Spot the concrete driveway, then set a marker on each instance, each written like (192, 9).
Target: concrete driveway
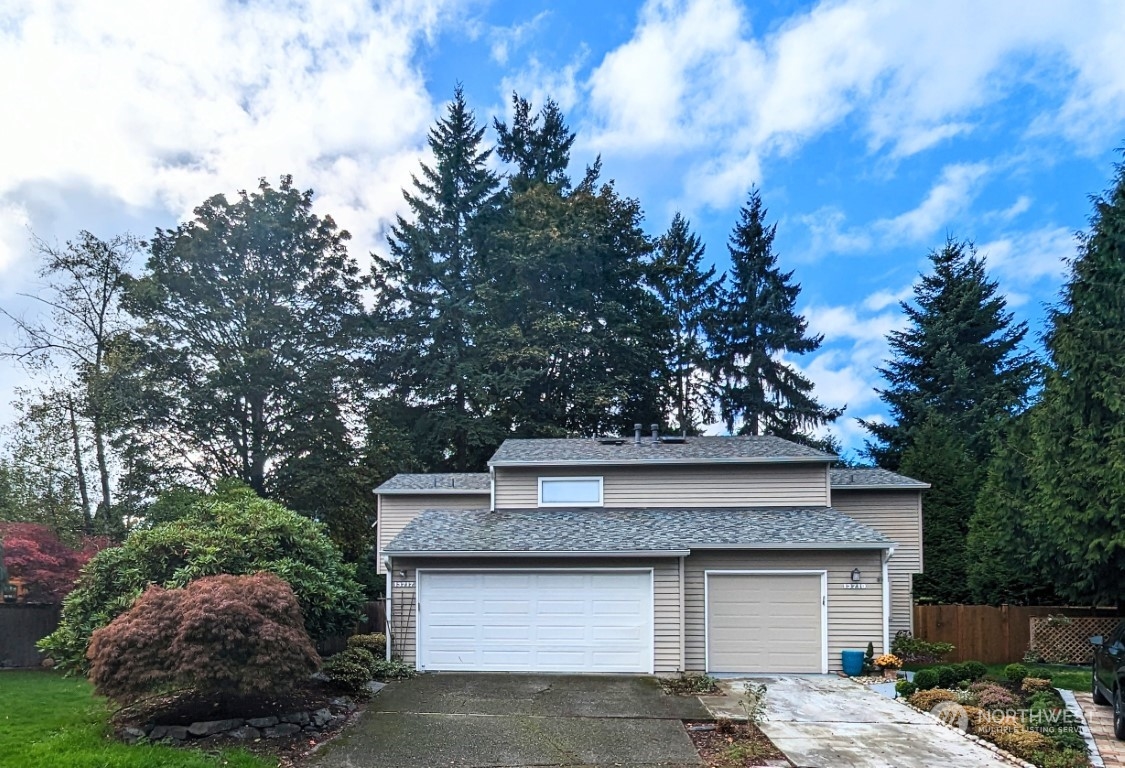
(477, 720)
(831, 722)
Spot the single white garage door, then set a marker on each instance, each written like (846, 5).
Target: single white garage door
(765, 622)
(535, 621)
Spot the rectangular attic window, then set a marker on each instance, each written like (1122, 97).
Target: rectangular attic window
(570, 492)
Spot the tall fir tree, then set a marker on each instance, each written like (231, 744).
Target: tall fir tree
(576, 332)
(998, 567)
(1079, 430)
(689, 292)
(754, 322)
(940, 456)
(429, 309)
(959, 358)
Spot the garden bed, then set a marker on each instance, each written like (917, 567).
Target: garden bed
(1022, 715)
(729, 744)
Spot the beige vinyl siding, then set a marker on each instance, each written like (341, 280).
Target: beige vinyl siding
(898, 516)
(396, 510)
(855, 616)
(666, 597)
(730, 485)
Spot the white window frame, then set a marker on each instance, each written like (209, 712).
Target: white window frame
(601, 492)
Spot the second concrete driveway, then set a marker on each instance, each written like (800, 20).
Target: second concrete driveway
(519, 720)
(830, 722)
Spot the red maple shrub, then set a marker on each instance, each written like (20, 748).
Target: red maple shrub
(220, 635)
(48, 566)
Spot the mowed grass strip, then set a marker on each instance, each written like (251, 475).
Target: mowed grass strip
(50, 721)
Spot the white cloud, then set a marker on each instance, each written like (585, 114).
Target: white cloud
(1023, 258)
(505, 40)
(695, 79)
(157, 107)
(829, 235)
(950, 196)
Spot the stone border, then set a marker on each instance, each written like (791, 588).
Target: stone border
(1092, 751)
(1003, 754)
(249, 729)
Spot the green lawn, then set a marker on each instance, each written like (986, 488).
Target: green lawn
(1063, 676)
(49, 721)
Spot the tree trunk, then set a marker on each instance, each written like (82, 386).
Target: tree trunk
(103, 466)
(257, 445)
(79, 471)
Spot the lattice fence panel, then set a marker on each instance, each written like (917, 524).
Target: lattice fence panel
(1066, 639)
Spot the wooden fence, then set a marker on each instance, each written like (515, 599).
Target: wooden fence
(21, 626)
(994, 635)
(374, 619)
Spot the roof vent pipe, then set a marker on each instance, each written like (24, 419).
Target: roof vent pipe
(656, 433)
(637, 430)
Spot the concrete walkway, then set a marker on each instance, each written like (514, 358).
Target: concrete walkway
(831, 722)
(1100, 720)
(508, 720)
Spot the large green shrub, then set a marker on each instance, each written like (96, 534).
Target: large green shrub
(231, 532)
(218, 635)
(350, 670)
(375, 644)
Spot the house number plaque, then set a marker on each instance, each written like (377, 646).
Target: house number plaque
(403, 584)
(855, 586)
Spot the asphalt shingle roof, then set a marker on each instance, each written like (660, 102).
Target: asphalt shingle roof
(872, 477)
(446, 481)
(605, 530)
(695, 450)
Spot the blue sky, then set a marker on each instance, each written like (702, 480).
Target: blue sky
(874, 129)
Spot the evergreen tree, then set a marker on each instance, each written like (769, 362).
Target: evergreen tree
(689, 293)
(575, 331)
(754, 323)
(939, 456)
(429, 310)
(959, 358)
(999, 540)
(1079, 431)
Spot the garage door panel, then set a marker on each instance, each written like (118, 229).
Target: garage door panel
(765, 623)
(536, 621)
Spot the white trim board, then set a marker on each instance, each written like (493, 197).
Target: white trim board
(823, 574)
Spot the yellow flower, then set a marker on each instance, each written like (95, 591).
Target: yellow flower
(888, 661)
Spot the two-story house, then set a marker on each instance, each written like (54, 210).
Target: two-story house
(648, 555)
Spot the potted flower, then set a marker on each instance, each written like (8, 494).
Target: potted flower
(890, 664)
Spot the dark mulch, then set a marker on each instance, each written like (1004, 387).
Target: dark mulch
(732, 745)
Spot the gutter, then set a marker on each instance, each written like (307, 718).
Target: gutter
(665, 462)
(431, 491)
(881, 487)
(537, 553)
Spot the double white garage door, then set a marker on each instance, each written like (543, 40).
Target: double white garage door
(535, 621)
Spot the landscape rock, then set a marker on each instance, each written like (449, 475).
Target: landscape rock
(132, 735)
(343, 703)
(170, 732)
(374, 686)
(321, 718)
(247, 732)
(211, 727)
(262, 722)
(284, 729)
(300, 718)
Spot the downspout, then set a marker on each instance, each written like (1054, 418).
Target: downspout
(492, 488)
(389, 608)
(886, 556)
(683, 616)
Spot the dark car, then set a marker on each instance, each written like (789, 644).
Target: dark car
(1109, 675)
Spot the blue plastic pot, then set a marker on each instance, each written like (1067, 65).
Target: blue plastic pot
(853, 662)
